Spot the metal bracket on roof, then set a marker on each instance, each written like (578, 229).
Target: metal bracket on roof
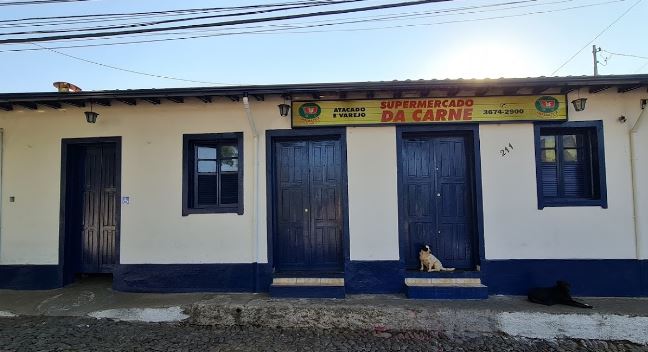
(127, 101)
(51, 104)
(598, 89)
(154, 101)
(480, 92)
(628, 88)
(177, 100)
(102, 102)
(452, 92)
(539, 90)
(568, 89)
(30, 106)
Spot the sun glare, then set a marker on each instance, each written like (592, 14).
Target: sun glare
(483, 60)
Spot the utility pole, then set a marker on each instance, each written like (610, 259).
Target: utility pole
(595, 50)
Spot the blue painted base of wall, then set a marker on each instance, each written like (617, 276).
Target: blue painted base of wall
(643, 269)
(384, 276)
(621, 278)
(436, 292)
(307, 291)
(613, 277)
(30, 277)
(191, 277)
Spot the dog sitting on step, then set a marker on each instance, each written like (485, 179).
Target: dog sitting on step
(429, 261)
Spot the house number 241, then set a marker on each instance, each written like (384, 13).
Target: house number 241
(506, 150)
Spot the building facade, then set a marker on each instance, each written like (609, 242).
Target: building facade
(211, 189)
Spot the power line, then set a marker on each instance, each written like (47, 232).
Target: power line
(374, 18)
(641, 68)
(626, 55)
(154, 13)
(111, 17)
(190, 80)
(145, 24)
(220, 24)
(596, 37)
(417, 14)
(289, 29)
(37, 2)
(127, 70)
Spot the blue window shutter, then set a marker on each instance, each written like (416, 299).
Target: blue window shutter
(550, 179)
(574, 177)
(577, 177)
(207, 191)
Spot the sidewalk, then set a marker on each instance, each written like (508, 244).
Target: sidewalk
(611, 319)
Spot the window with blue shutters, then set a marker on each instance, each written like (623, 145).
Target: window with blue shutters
(570, 166)
(212, 173)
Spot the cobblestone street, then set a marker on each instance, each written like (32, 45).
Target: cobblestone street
(83, 334)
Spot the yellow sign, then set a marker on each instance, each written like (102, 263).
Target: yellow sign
(428, 110)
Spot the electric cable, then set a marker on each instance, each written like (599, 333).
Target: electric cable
(129, 71)
(174, 20)
(220, 24)
(17, 3)
(287, 29)
(597, 36)
(626, 55)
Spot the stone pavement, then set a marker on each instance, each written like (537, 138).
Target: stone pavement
(612, 319)
(84, 334)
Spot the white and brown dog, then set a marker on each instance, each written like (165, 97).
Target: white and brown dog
(429, 261)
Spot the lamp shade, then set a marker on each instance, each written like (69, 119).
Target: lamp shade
(91, 116)
(579, 104)
(284, 109)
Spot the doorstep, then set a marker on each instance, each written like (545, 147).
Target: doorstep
(445, 285)
(307, 287)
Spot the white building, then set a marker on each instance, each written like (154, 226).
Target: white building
(211, 189)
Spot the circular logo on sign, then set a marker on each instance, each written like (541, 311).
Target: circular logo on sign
(546, 104)
(310, 111)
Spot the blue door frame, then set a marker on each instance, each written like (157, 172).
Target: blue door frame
(471, 132)
(304, 135)
(67, 250)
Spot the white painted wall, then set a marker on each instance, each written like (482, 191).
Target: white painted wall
(515, 228)
(153, 229)
(373, 198)
(640, 147)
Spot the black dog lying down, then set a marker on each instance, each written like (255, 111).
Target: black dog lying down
(558, 294)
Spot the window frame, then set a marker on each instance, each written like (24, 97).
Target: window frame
(595, 130)
(189, 173)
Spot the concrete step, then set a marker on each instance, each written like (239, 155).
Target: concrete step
(307, 287)
(445, 288)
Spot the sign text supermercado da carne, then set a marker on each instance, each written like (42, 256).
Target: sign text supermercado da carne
(428, 110)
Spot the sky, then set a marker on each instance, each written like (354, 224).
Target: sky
(452, 39)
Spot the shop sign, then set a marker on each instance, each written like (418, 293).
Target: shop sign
(428, 110)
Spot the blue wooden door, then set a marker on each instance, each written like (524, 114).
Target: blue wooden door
(308, 208)
(98, 204)
(437, 200)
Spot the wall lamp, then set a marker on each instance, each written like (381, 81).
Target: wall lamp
(284, 109)
(579, 104)
(91, 116)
